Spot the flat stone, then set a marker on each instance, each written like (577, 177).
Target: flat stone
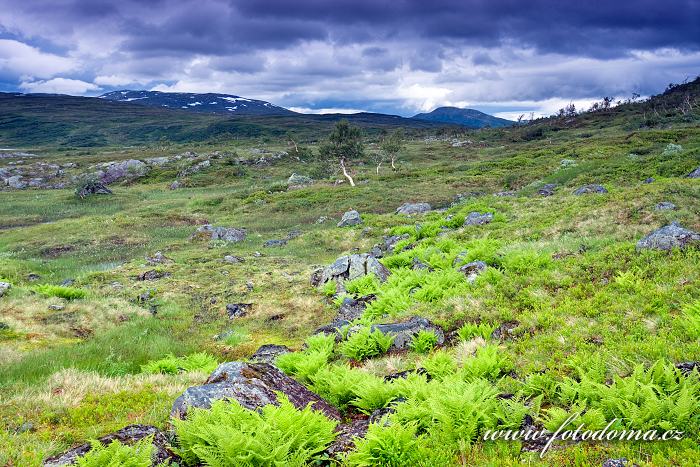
(669, 237)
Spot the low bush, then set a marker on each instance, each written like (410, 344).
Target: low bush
(68, 293)
(172, 365)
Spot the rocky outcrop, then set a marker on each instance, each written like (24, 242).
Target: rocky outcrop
(158, 258)
(347, 435)
(351, 267)
(111, 172)
(387, 245)
(413, 208)
(350, 310)
(274, 243)
(476, 218)
(227, 234)
(238, 310)
(253, 385)
(194, 168)
(129, 436)
(669, 237)
(590, 189)
(350, 218)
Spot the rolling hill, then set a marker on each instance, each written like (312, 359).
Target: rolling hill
(466, 117)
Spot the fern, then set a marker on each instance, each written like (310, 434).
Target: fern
(117, 454)
(423, 341)
(387, 446)
(172, 365)
(366, 343)
(488, 363)
(69, 293)
(372, 393)
(439, 365)
(363, 285)
(471, 330)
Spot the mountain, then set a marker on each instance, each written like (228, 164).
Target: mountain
(467, 117)
(200, 103)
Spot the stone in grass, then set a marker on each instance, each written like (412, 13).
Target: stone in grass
(649, 180)
(231, 259)
(152, 275)
(403, 332)
(253, 385)
(547, 190)
(129, 435)
(274, 243)
(238, 310)
(665, 206)
(350, 218)
(227, 234)
(296, 180)
(669, 237)
(4, 288)
(590, 189)
(472, 270)
(351, 267)
(687, 367)
(694, 174)
(621, 462)
(92, 188)
(268, 353)
(413, 208)
(476, 218)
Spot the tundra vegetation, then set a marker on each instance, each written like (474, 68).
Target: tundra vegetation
(543, 309)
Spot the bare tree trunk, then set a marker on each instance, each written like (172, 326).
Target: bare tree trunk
(345, 172)
(378, 165)
(393, 167)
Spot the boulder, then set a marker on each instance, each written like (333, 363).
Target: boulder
(268, 353)
(4, 287)
(16, 182)
(194, 168)
(347, 435)
(274, 243)
(158, 258)
(665, 206)
(92, 188)
(299, 180)
(152, 275)
(129, 436)
(505, 194)
(694, 174)
(227, 234)
(649, 180)
(122, 170)
(473, 269)
(231, 259)
(350, 218)
(687, 367)
(505, 330)
(413, 208)
(387, 245)
(353, 266)
(238, 310)
(403, 332)
(621, 462)
(547, 190)
(589, 189)
(669, 237)
(176, 185)
(476, 218)
(253, 385)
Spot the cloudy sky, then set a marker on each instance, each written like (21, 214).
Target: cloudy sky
(505, 57)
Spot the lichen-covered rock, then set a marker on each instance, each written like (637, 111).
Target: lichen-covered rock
(238, 310)
(348, 433)
(268, 353)
(589, 189)
(194, 168)
(403, 332)
(227, 234)
(129, 436)
(665, 206)
(253, 385)
(476, 218)
(350, 218)
(152, 275)
(122, 170)
(274, 243)
(622, 462)
(413, 208)
(387, 245)
(351, 267)
(669, 237)
(473, 269)
(158, 258)
(4, 287)
(694, 174)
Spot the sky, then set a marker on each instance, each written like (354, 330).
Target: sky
(504, 57)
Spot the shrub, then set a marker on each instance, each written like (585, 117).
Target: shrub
(117, 454)
(366, 343)
(171, 364)
(228, 434)
(423, 341)
(68, 293)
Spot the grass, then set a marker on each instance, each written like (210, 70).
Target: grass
(568, 316)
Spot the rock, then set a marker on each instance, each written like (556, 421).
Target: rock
(475, 218)
(128, 435)
(420, 265)
(268, 353)
(413, 208)
(274, 243)
(233, 259)
(227, 234)
(253, 385)
(505, 330)
(473, 269)
(694, 174)
(665, 206)
(152, 275)
(404, 332)
(299, 180)
(505, 193)
(16, 182)
(321, 220)
(56, 307)
(350, 218)
(238, 310)
(547, 190)
(122, 170)
(67, 282)
(687, 367)
(92, 188)
(26, 427)
(193, 169)
(669, 237)
(347, 434)
(4, 288)
(621, 462)
(387, 245)
(33, 277)
(353, 266)
(175, 185)
(649, 180)
(589, 189)
(158, 258)
(292, 234)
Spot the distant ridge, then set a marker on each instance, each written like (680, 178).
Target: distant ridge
(467, 117)
(199, 103)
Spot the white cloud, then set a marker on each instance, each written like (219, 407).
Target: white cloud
(59, 86)
(327, 110)
(18, 59)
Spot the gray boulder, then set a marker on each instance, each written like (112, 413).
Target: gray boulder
(253, 385)
(122, 170)
(228, 234)
(665, 206)
(403, 332)
(387, 245)
(590, 189)
(547, 190)
(351, 267)
(268, 353)
(92, 188)
(193, 169)
(476, 218)
(350, 218)
(274, 243)
(649, 180)
(669, 237)
(413, 208)
(129, 435)
(16, 182)
(4, 287)
(238, 310)
(473, 269)
(299, 180)
(695, 173)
